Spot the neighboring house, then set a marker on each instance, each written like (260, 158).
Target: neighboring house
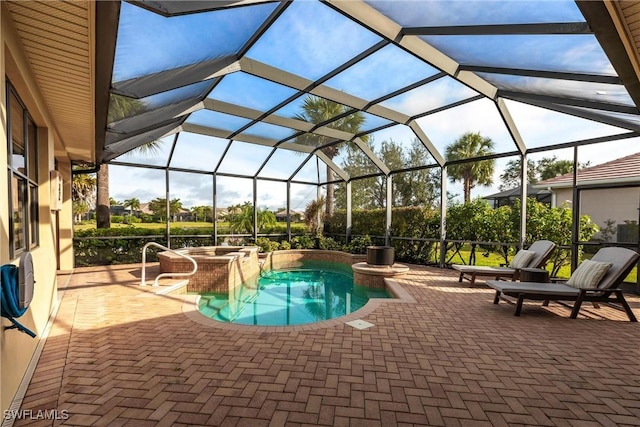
(118, 210)
(221, 214)
(508, 197)
(144, 208)
(295, 216)
(620, 202)
(183, 215)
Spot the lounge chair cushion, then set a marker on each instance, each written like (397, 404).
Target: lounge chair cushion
(589, 274)
(522, 259)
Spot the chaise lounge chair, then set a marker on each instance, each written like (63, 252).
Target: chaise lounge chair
(534, 257)
(596, 280)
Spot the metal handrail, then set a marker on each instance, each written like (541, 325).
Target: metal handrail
(144, 260)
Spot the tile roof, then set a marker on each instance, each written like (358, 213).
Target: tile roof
(619, 170)
(515, 192)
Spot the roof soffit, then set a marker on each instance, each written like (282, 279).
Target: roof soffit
(58, 41)
(611, 30)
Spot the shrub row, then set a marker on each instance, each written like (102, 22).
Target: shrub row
(355, 246)
(413, 222)
(124, 245)
(474, 221)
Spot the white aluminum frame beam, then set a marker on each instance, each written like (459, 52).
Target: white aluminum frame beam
(511, 125)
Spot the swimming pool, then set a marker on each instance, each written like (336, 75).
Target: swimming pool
(295, 296)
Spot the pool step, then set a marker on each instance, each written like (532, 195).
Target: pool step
(217, 304)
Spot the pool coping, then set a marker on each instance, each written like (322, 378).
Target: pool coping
(400, 295)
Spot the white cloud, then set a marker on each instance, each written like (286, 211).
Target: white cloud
(480, 116)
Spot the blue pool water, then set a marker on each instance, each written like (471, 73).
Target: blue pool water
(309, 294)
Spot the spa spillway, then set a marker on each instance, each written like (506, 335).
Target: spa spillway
(380, 264)
(219, 267)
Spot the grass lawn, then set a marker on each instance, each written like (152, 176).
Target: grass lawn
(223, 227)
(495, 260)
(151, 225)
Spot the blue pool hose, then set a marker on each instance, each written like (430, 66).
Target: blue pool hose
(10, 298)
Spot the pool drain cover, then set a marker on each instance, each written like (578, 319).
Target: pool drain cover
(360, 324)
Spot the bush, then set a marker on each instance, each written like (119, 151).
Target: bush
(130, 219)
(471, 222)
(418, 222)
(117, 219)
(327, 243)
(303, 242)
(266, 245)
(359, 245)
(125, 247)
(465, 222)
(285, 246)
(94, 251)
(413, 221)
(146, 218)
(545, 222)
(369, 222)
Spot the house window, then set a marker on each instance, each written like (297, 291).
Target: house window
(23, 172)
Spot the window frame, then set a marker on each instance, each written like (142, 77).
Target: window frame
(23, 185)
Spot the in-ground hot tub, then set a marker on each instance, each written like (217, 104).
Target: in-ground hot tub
(380, 265)
(219, 267)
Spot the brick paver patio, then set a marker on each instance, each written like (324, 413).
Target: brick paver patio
(120, 355)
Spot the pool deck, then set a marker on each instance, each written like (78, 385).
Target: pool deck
(117, 354)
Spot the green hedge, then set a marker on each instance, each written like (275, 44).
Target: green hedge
(125, 247)
(475, 221)
(415, 222)
(91, 248)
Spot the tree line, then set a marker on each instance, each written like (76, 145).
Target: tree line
(415, 181)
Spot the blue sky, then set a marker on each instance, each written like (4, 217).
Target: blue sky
(311, 39)
(410, 13)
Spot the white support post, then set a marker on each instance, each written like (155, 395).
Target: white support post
(255, 209)
(319, 213)
(168, 207)
(443, 215)
(524, 180)
(348, 230)
(214, 214)
(288, 211)
(387, 238)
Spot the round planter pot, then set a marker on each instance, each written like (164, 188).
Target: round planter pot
(380, 255)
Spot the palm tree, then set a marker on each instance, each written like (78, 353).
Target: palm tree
(319, 110)
(266, 218)
(313, 214)
(120, 107)
(240, 218)
(133, 204)
(202, 213)
(469, 146)
(83, 190)
(103, 215)
(175, 207)
(159, 207)
(83, 187)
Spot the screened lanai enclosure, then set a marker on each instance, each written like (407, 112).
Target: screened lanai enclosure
(280, 103)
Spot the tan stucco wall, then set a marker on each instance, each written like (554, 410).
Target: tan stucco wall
(561, 196)
(4, 184)
(619, 204)
(65, 220)
(16, 348)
